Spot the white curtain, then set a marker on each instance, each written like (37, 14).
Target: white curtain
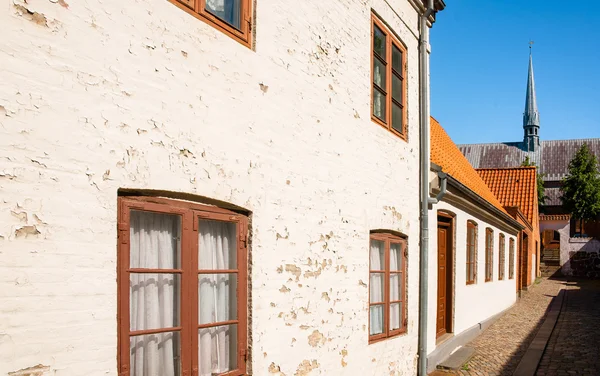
(395, 285)
(154, 297)
(217, 297)
(227, 10)
(377, 260)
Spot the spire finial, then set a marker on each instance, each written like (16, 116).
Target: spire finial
(531, 116)
(530, 46)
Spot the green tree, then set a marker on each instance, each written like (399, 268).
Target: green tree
(581, 188)
(540, 184)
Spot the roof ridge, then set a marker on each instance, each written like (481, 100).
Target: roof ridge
(508, 168)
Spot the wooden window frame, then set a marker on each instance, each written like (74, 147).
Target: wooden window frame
(388, 238)
(191, 214)
(511, 258)
(197, 8)
(501, 257)
(489, 254)
(471, 264)
(391, 40)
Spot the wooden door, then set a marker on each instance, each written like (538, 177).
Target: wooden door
(442, 278)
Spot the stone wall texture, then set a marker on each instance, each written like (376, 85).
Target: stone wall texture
(97, 96)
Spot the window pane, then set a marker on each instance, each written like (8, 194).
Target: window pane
(379, 42)
(397, 117)
(379, 74)
(154, 300)
(217, 349)
(395, 316)
(397, 59)
(379, 104)
(397, 89)
(217, 297)
(472, 235)
(217, 245)
(376, 319)
(155, 354)
(155, 240)
(376, 283)
(227, 10)
(396, 254)
(396, 286)
(470, 272)
(377, 255)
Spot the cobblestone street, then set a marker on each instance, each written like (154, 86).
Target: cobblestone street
(500, 348)
(574, 347)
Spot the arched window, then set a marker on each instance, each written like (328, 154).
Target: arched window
(501, 258)
(489, 254)
(182, 277)
(471, 252)
(511, 258)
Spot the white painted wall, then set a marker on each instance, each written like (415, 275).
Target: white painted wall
(472, 303)
(99, 96)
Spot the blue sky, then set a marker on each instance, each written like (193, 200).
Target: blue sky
(479, 64)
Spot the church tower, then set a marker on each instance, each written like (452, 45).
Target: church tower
(531, 116)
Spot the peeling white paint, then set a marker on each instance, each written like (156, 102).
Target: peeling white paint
(105, 95)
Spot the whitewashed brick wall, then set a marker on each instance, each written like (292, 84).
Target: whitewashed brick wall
(475, 303)
(101, 95)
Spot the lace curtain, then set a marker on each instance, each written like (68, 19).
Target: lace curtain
(217, 297)
(154, 297)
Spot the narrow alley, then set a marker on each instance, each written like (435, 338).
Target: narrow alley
(573, 345)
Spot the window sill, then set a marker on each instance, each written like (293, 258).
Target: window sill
(372, 341)
(378, 121)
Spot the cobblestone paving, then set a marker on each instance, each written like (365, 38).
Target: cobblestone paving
(574, 346)
(499, 349)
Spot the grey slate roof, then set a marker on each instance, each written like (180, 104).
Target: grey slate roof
(552, 197)
(552, 158)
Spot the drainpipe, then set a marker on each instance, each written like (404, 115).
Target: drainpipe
(443, 179)
(424, 194)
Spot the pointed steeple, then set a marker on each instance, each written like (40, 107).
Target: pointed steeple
(531, 116)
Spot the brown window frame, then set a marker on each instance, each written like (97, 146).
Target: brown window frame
(471, 264)
(191, 214)
(511, 258)
(388, 238)
(197, 8)
(390, 41)
(501, 257)
(489, 254)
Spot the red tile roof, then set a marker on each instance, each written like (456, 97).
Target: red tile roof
(445, 153)
(514, 187)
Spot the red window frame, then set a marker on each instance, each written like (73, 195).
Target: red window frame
(471, 252)
(489, 254)
(511, 258)
(501, 257)
(190, 213)
(388, 238)
(390, 41)
(197, 8)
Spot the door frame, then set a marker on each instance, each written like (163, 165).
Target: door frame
(447, 220)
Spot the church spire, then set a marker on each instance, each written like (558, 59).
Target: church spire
(531, 116)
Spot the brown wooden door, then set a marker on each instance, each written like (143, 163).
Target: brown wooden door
(442, 304)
